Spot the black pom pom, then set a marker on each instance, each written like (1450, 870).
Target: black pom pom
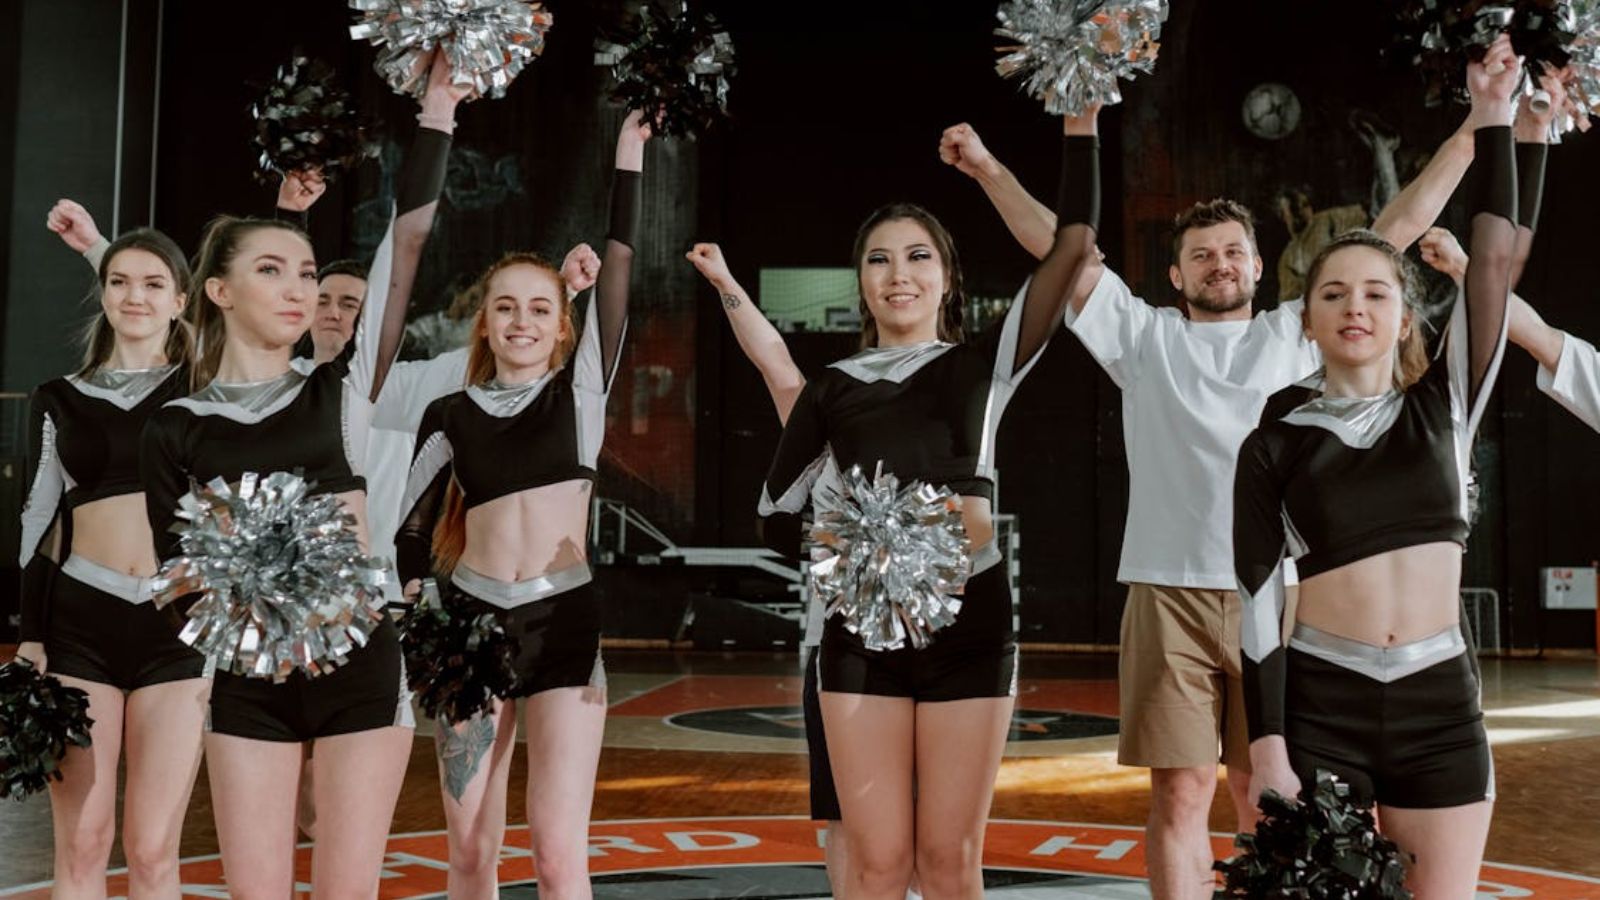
(457, 663)
(39, 718)
(676, 68)
(1322, 847)
(305, 120)
(1439, 38)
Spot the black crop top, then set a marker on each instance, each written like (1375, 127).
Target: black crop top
(1333, 480)
(83, 446)
(930, 411)
(496, 440)
(314, 423)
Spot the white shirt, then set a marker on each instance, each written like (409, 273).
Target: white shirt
(1575, 384)
(1191, 391)
(408, 390)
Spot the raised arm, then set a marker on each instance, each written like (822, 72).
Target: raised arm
(1524, 326)
(1068, 273)
(1532, 132)
(760, 341)
(1477, 334)
(1032, 223)
(606, 323)
(394, 268)
(73, 224)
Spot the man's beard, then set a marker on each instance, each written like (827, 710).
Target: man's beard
(1198, 300)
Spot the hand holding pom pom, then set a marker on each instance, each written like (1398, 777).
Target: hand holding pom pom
(1322, 845)
(39, 719)
(306, 125)
(457, 663)
(1071, 53)
(677, 66)
(284, 585)
(486, 43)
(893, 559)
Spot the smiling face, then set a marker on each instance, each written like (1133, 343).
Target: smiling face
(1356, 310)
(903, 281)
(268, 293)
(339, 299)
(524, 320)
(140, 296)
(1217, 268)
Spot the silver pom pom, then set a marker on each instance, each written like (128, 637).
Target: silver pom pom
(487, 42)
(1070, 53)
(284, 584)
(893, 558)
(1584, 85)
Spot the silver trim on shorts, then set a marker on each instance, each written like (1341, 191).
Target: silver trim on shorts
(512, 594)
(131, 588)
(1383, 664)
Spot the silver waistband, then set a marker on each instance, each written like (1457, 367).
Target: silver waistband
(1385, 664)
(131, 588)
(511, 594)
(986, 557)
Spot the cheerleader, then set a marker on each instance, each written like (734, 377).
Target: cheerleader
(915, 735)
(497, 505)
(89, 621)
(1358, 472)
(254, 412)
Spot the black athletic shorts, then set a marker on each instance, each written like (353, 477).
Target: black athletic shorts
(100, 637)
(558, 637)
(1416, 743)
(365, 693)
(824, 798)
(976, 656)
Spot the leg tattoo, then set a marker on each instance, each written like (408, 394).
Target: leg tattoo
(461, 747)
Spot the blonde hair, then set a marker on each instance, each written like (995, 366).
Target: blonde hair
(450, 532)
(1411, 353)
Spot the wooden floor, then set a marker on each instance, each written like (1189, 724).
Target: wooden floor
(718, 738)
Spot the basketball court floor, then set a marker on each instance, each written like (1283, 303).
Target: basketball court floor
(702, 792)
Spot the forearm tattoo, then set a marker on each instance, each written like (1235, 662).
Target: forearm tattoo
(731, 301)
(461, 747)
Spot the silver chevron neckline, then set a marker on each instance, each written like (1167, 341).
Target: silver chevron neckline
(126, 388)
(503, 400)
(894, 364)
(252, 396)
(1356, 421)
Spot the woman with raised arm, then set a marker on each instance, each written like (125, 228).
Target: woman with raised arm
(497, 508)
(252, 411)
(1358, 472)
(87, 557)
(915, 735)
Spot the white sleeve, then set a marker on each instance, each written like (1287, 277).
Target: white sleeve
(588, 365)
(50, 482)
(95, 253)
(1113, 325)
(1575, 384)
(369, 331)
(412, 385)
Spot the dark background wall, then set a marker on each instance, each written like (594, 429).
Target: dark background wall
(837, 109)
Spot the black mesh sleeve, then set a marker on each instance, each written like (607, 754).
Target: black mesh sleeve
(165, 477)
(427, 487)
(616, 271)
(1077, 218)
(1488, 279)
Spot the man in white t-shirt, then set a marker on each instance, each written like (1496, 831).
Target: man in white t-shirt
(1193, 385)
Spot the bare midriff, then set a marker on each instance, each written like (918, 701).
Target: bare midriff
(1388, 599)
(530, 533)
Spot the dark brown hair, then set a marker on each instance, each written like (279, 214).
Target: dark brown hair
(98, 337)
(951, 306)
(1207, 214)
(450, 533)
(218, 247)
(1411, 355)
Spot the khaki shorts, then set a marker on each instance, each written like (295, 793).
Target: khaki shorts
(1181, 689)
